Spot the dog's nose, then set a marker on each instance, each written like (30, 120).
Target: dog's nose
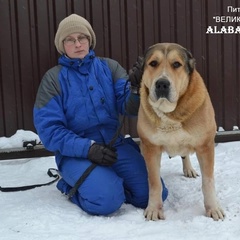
(162, 87)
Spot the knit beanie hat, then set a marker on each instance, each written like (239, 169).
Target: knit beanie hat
(73, 24)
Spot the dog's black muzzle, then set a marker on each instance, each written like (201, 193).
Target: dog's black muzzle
(162, 88)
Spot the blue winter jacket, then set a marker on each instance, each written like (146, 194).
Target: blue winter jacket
(79, 101)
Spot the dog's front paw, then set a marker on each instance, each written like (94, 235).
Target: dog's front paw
(215, 213)
(154, 214)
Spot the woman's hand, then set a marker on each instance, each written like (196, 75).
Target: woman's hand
(102, 155)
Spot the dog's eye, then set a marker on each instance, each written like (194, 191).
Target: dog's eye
(176, 64)
(153, 63)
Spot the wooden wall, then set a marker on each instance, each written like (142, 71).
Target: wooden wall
(124, 30)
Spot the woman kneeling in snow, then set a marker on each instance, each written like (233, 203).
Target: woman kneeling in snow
(76, 115)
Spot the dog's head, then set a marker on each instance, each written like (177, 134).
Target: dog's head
(166, 73)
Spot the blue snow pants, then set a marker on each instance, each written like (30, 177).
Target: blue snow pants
(107, 188)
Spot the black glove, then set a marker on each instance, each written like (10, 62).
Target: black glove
(102, 155)
(135, 75)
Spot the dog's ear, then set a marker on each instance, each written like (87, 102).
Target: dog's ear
(191, 62)
(145, 55)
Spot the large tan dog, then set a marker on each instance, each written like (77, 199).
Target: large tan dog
(176, 116)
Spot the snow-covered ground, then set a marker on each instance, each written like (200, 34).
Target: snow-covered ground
(43, 213)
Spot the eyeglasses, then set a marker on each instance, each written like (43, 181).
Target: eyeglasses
(69, 41)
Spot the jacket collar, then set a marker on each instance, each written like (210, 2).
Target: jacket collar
(77, 63)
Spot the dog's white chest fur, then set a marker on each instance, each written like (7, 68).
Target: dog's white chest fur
(174, 140)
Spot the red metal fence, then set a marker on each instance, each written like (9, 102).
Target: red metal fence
(124, 30)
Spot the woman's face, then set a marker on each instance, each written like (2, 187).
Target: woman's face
(76, 45)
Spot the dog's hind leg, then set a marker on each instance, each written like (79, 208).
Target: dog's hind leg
(188, 170)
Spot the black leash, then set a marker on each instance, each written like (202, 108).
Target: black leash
(81, 180)
(28, 187)
(93, 165)
(57, 176)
